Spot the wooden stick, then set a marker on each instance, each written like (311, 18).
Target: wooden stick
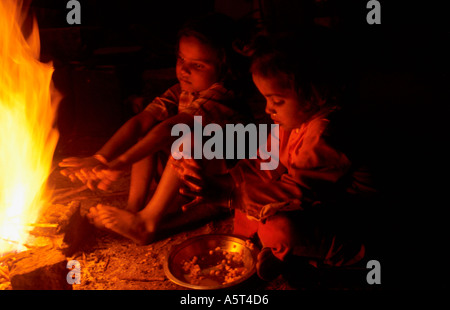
(59, 191)
(82, 197)
(43, 225)
(15, 242)
(70, 193)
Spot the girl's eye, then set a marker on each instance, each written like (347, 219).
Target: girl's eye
(277, 101)
(199, 66)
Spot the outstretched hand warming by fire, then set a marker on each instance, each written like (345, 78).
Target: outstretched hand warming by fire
(92, 172)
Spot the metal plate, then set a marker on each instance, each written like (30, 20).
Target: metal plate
(201, 246)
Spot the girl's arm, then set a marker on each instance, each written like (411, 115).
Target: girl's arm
(158, 110)
(158, 138)
(83, 167)
(128, 134)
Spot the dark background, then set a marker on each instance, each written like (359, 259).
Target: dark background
(399, 73)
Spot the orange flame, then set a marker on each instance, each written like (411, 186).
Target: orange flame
(27, 134)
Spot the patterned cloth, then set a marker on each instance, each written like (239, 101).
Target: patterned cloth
(215, 104)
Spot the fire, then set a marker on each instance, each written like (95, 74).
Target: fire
(27, 134)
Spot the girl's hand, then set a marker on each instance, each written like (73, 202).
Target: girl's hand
(105, 177)
(81, 168)
(192, 176)
(203, 188)
(86, 169)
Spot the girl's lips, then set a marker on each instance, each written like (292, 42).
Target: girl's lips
(185, 81)
(277, 122)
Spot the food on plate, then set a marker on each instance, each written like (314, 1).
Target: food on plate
(218, 266)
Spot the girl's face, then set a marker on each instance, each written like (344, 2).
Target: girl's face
(284, 105)
(197, 65)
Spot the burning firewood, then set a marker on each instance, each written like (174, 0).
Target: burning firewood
(64, 231)
(54, 219)
(66, 226)
(69, 193)
(40, 269)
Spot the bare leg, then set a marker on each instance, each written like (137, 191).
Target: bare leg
(141, 226)
(166, 198)
(142, 174)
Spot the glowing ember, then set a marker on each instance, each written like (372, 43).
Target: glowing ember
(27, 134)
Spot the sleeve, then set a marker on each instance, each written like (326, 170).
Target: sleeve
(166, 105)
(213, 105)
(313, 167)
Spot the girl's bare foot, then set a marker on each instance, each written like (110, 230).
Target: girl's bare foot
(122, 222)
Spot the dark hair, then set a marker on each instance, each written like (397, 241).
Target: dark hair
(219, 32)
(298, 61)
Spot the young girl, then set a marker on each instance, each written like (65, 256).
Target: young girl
(295, 209)
(204, 72)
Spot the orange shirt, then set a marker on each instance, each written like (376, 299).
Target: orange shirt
(308, 171)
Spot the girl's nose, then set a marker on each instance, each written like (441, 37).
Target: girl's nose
(270, 109)
(185, 69)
